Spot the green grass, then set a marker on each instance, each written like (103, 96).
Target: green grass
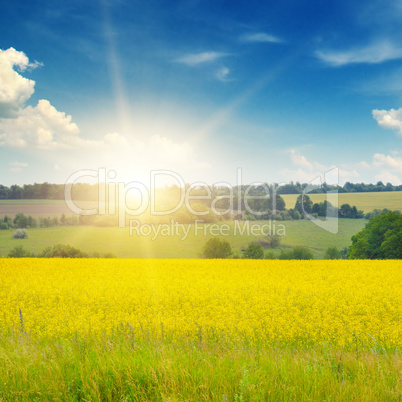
(122, 368)
(364, 201)
(118, 241)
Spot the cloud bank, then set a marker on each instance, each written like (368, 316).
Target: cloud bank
(15, 90)
(389, 119)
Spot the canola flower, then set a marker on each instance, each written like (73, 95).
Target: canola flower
(342, 303)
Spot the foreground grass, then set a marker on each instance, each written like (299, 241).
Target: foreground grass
(122, 368)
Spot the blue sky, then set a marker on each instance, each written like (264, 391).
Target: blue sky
(283, 90)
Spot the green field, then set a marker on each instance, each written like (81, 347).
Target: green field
(118, 240)
(364, 201)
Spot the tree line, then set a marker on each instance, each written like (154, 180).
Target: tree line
(348, 187)
(89, 192)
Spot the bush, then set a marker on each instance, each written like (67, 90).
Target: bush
(62, 251)
(20, 252)
(254, 251)
(99, 255)
(3, 226)
(20, 234)
(296, 215)
(332, 253)
(109, 255)
(298, 253)
(8, 220)
(270, 241)
(216, 248)
(302, 253)
(48, 222)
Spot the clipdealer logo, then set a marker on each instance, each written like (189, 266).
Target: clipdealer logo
(112, 197)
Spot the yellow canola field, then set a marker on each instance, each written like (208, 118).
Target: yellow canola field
(343, 303)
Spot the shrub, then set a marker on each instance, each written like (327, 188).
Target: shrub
(332, 253)
(20, 252)
(270, 241)
(254, 251)
(99, 255)
(302, 253)
(298, 253)
(48, 222)
(8, 220)
(109, 255)
(216, 248)
(20, 234)
(296, 215)
(3, 226)
(62, 251)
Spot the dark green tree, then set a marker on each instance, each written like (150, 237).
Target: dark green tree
(254, 251)
(302, 253)
(303, 204)
(332, 253)
(380, 239)
(21, 221)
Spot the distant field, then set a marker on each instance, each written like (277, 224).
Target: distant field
(119, 241)
(364, 201)
(44, 208)
(40, 208)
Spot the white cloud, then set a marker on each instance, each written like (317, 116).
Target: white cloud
(44, 127)
(364, 165)
(390, 119)
(18, 164)
(309, 170)
(388, 177)
(381, 160)
(260, 37)
(377, 52)
(200, 58)
(386, 168)
(301, 161)
(222, 74)
(15, 90)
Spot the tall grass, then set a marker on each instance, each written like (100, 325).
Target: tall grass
(120, 367)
